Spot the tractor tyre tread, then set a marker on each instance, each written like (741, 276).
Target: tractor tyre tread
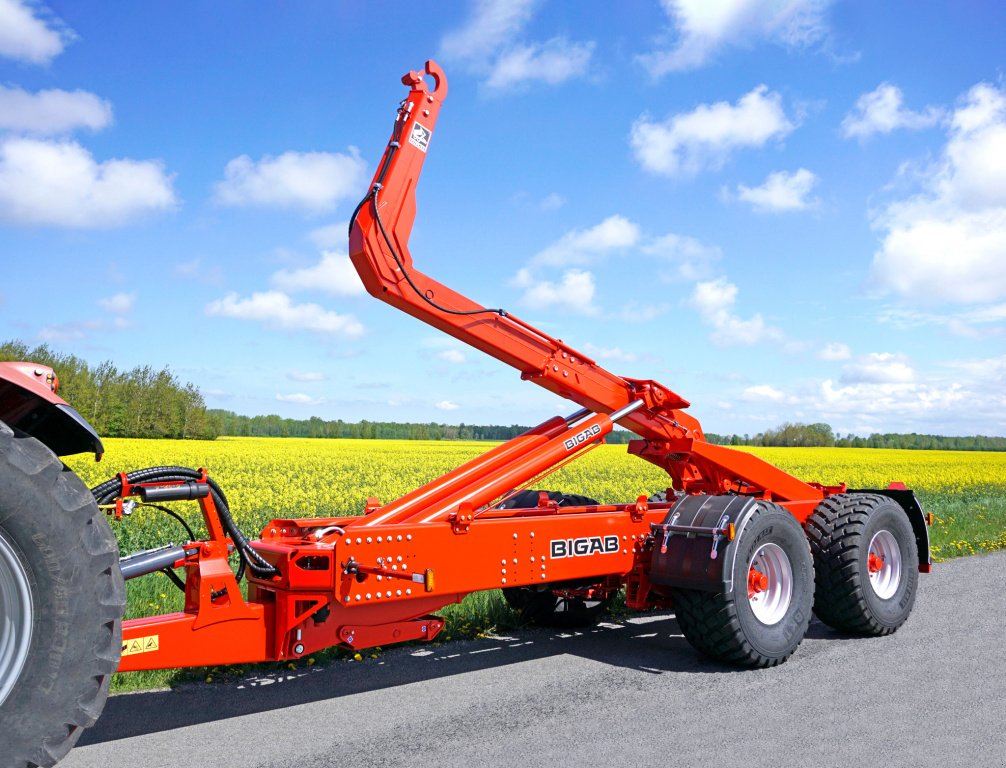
(836, 531)
(72, 561)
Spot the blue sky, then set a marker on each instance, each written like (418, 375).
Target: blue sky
(790, 210)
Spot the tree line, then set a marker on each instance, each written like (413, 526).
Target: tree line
(821, 435)
(143, 402)
(140, 402)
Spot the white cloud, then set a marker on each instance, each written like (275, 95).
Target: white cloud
(306, 376)
(574, 292)
(704, 27)
(488, 44)
(334, 274)
(330, 236)
(582, 246)
(878, 368)
(762, 393)
(552, 62)
(26, 37)
(882, 110)
(118, 304)
(299, 398)
(312, 181)
(615, 354)
(60, 184)
(451, 356)
(781, 191)
(52, 111)
(274, 309)
(491, 26)
(552, 202)
(835, 351)
(714, 301)
(706, 137)
(447, 405)
(689, 259)
(948, 243)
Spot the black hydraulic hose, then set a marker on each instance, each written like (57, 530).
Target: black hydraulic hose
(111, 489)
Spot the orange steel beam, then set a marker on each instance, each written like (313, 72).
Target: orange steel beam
(378, 245)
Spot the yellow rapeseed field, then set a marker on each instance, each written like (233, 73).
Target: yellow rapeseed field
(274, 477)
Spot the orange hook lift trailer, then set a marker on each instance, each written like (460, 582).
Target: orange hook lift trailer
(733, 545)
(742, 551)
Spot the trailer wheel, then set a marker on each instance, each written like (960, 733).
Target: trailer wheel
(554, 604)
(867, 563)
(61, 603)
(763, 619)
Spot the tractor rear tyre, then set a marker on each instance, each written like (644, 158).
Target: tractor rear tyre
(552, 604)
(867, 563)
(61, 603)
(763, 619)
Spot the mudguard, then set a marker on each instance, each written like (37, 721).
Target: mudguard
(29, 403)
(693, 547)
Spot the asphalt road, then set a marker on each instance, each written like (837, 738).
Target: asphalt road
(635, 693)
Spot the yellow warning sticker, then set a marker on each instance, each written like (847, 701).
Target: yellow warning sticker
(141, 645)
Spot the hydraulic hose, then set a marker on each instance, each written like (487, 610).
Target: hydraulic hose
(111, 489)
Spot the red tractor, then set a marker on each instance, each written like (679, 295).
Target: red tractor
(741, 551)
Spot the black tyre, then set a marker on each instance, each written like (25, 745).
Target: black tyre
(763, 620)
(556, 604)
(867, 563)
(61, 603)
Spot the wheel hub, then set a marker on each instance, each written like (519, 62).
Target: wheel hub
(16, 617)
(883, 564)
(770, 584)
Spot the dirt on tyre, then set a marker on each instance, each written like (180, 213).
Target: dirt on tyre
(867, 563)
(763, 620)
(559, 605)
(61, 603)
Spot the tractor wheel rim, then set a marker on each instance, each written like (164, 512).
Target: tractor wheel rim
(770, 604)
(884, 564)
(16, 616)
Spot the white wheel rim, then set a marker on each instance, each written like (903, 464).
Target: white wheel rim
(884, 564)
(770, 600)
(15, 618)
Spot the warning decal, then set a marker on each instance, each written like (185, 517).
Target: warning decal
(141, 645)
(420, 136)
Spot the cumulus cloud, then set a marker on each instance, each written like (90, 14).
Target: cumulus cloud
(118, 304)
(334, 275)
(882, 110)
(61, 184)
(447, 405)
(26, 37)
(763, 393)
(714, 301)
(781, 192)
(299, 398)
(615, 354)
(275, 309)
(488, 43)
(688, 258)
(574, 292)
(878, 368)
(583, 246)
(306, 376)
(948, 242)
(702, 28)
(552, 62)
(330, 236)
(311, 181)
(835, 351)
(52, 112)
(455, 356)
(705, 138)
